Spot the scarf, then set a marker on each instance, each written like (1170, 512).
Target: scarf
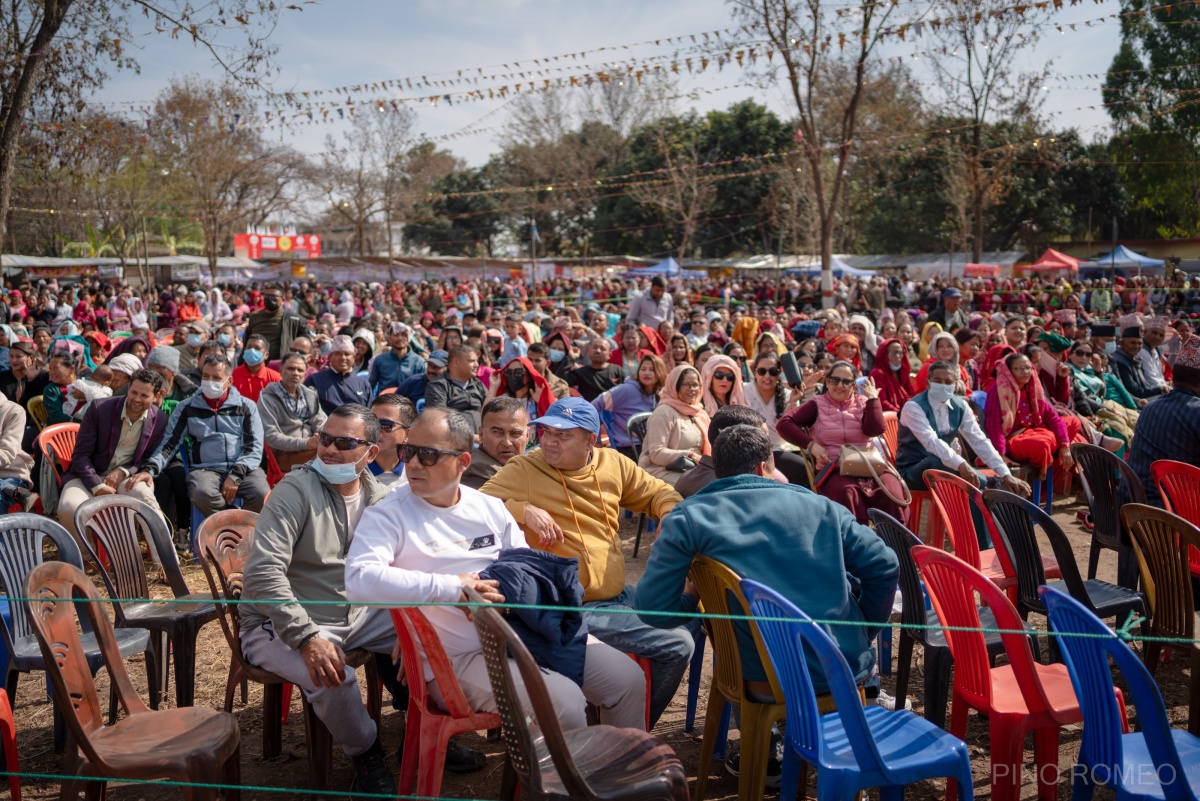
(539, 382)
(995, 355)
(737, 395)
(654, 342)
(1010, 395)
(926, 340)
(870, 341)
(745, 333)
(695, 410)
(895, 386)
(846, 339)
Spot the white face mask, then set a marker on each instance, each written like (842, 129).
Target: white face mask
(212, 389)
(940, 393)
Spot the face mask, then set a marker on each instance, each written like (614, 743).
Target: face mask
(514, 385)
(1110, 347)
(557, 356)
(940, 393)
(252, 356)
(194, 340)
(336, 473)
(271, 304)
(895, 367)
(212, 389)
(326, 348)
(224, 339)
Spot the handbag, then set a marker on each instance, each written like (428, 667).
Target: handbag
(858, 463)
(681, 465)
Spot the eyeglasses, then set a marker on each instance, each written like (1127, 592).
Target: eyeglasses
(721, 375)
(771, 371)
(838, 382)
(426, 456)
(390, 425)
(806, 367)
(1083, 353)
(341, 443)
(514, 373)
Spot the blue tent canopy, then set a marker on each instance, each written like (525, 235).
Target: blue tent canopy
(668, 267)
(1123, 261)
(839, 267)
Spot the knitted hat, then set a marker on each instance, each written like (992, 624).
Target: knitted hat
(164, 356)
(126, 363)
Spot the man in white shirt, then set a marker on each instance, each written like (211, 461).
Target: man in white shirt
(930, 425)
(1151, 356)
(428, 540)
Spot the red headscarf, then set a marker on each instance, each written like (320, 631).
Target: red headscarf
(845, 339)
(1009, 393)
(539, 382)
(995, 355)
(657, 345)
(895, 386)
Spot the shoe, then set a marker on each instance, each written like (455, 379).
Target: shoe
(889, 703)
(1111, 444)
(460, 759)
(26, 498)
(774, 765)
(371, 773)
(1085, 519)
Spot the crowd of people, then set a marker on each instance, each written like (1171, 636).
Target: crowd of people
(405, 441)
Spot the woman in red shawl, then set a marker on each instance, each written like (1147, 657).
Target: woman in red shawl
(1019, 421)
(636, 342)
(892, 375)
(845, 348)
(519, 379)
(995, 355)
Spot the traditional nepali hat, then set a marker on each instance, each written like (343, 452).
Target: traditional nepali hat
(1065, 316)
(1189, 353)
(1130, 321)
(1160, 323)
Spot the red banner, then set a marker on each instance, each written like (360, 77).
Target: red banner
(271, 246)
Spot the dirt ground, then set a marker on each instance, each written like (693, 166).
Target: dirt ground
(290, 769)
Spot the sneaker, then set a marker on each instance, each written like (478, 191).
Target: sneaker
(460, 759)
(371, 774)
(889, 703)
(774, 765)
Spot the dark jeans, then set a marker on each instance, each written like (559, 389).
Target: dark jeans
(791, 464)
(170, 490)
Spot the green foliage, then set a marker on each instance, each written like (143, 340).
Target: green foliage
(458, 222)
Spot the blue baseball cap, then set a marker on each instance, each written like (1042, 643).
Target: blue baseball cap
(570, 413)
(439, 357)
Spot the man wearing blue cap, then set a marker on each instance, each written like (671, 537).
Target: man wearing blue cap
(949, 315)
(567, 496)
(414, 386)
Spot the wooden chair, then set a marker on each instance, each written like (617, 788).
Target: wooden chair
(225, 541)
(594, 763)
(1162, 542)
(1102, 474)
(114, 523)
(37, 411)
(193, 744)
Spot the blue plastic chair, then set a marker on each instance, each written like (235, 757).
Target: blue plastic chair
(854, 747)
(1133, 763)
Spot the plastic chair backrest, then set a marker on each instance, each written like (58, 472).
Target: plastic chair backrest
(58, 442)
(1179, 486)
(636, 425)
(1101, 473)
(792, 639)
(115, 522)
(953, 585)
(952, 496)
(224, 542)
(901, 541)
(718, 585)
(1015, 521)
(416, 635)
(22, 542)
(500, 644)
(1160, 541)
(37, 410)
(53, 621)
(1086, 657)
(891, 434)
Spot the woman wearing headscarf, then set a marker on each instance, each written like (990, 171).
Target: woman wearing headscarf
(168, 310)
(189, 311)
(138, 318)
(769, 342)
(364, 349)
(137, 346)
(943, 348)
(987, 371)
(862, 327)
(721, 381)
(118, 312)
(520, 379)
(83, 311)
(846, 348)
(679, 351)
(927, 334)
(745, 333)
(892, 375)
(678, 426)
(16, 307)
(1020, 422)
(215, 309)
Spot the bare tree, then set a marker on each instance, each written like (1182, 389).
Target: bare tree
(981, 81)
(680, 192)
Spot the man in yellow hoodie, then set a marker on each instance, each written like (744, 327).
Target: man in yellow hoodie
(567, 496)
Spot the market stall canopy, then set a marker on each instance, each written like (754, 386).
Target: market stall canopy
(667, 267)
(981, 270)
(839, 267)
(1053, 260)
(1124, 262)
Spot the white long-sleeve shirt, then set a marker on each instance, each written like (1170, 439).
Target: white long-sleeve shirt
(912, 417)
(406, 550)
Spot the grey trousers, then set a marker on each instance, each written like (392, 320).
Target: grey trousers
(204, 491)
(340, 709)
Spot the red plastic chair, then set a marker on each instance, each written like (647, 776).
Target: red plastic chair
(387, 391)
(891, 434)
(1179, 485)
(1017, 698)
(59, 438)
(936, 532)
(429, 729)
(8, 736)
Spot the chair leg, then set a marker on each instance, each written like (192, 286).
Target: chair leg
(712, 720)
(637, 539)
(958, 727)
(1194, 693)
(233, 775)
(1008, 754)
(904, 666)
(320, 750)
(723, 732)
(695, 668)
(231, 683)
(406, 782)
(938, 664)
(756, 742)
(8, 736)
(510, 789)
(272, 724)
(1094, 558)
(1045, 760)
(161, 645)
(1151, 651)
(429, 778)
(789, 779)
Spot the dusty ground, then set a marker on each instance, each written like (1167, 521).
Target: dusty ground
(35, 739)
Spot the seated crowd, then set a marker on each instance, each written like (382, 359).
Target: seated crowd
(491, 446)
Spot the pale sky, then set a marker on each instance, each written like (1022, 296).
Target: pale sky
(349, 42)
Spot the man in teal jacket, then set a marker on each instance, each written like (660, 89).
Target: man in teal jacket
(792, 540)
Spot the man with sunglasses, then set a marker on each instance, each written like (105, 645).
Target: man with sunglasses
(429, 540)
(396, 414)
(567, 494)
(297, 619)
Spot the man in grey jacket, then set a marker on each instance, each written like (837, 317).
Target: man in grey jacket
(300, 542)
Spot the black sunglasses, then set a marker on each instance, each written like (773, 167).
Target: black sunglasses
(720, 375)
(389, 425)
(341, 443)
(426, 456)
(838, 382)
(772, 371)
(1083, 353)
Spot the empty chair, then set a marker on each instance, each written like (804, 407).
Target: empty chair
(853, 747)
(1015, 521)
(1134, 764)
(637, 435)
(1102, 472)
(115, 523)
(1162, 542)
(953, 497)
(1018, 698)
(37, 412)
(596, 762)
(22, 543)
(1178, 484)
(192, 744)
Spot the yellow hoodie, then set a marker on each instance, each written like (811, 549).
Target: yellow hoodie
(589, 513)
